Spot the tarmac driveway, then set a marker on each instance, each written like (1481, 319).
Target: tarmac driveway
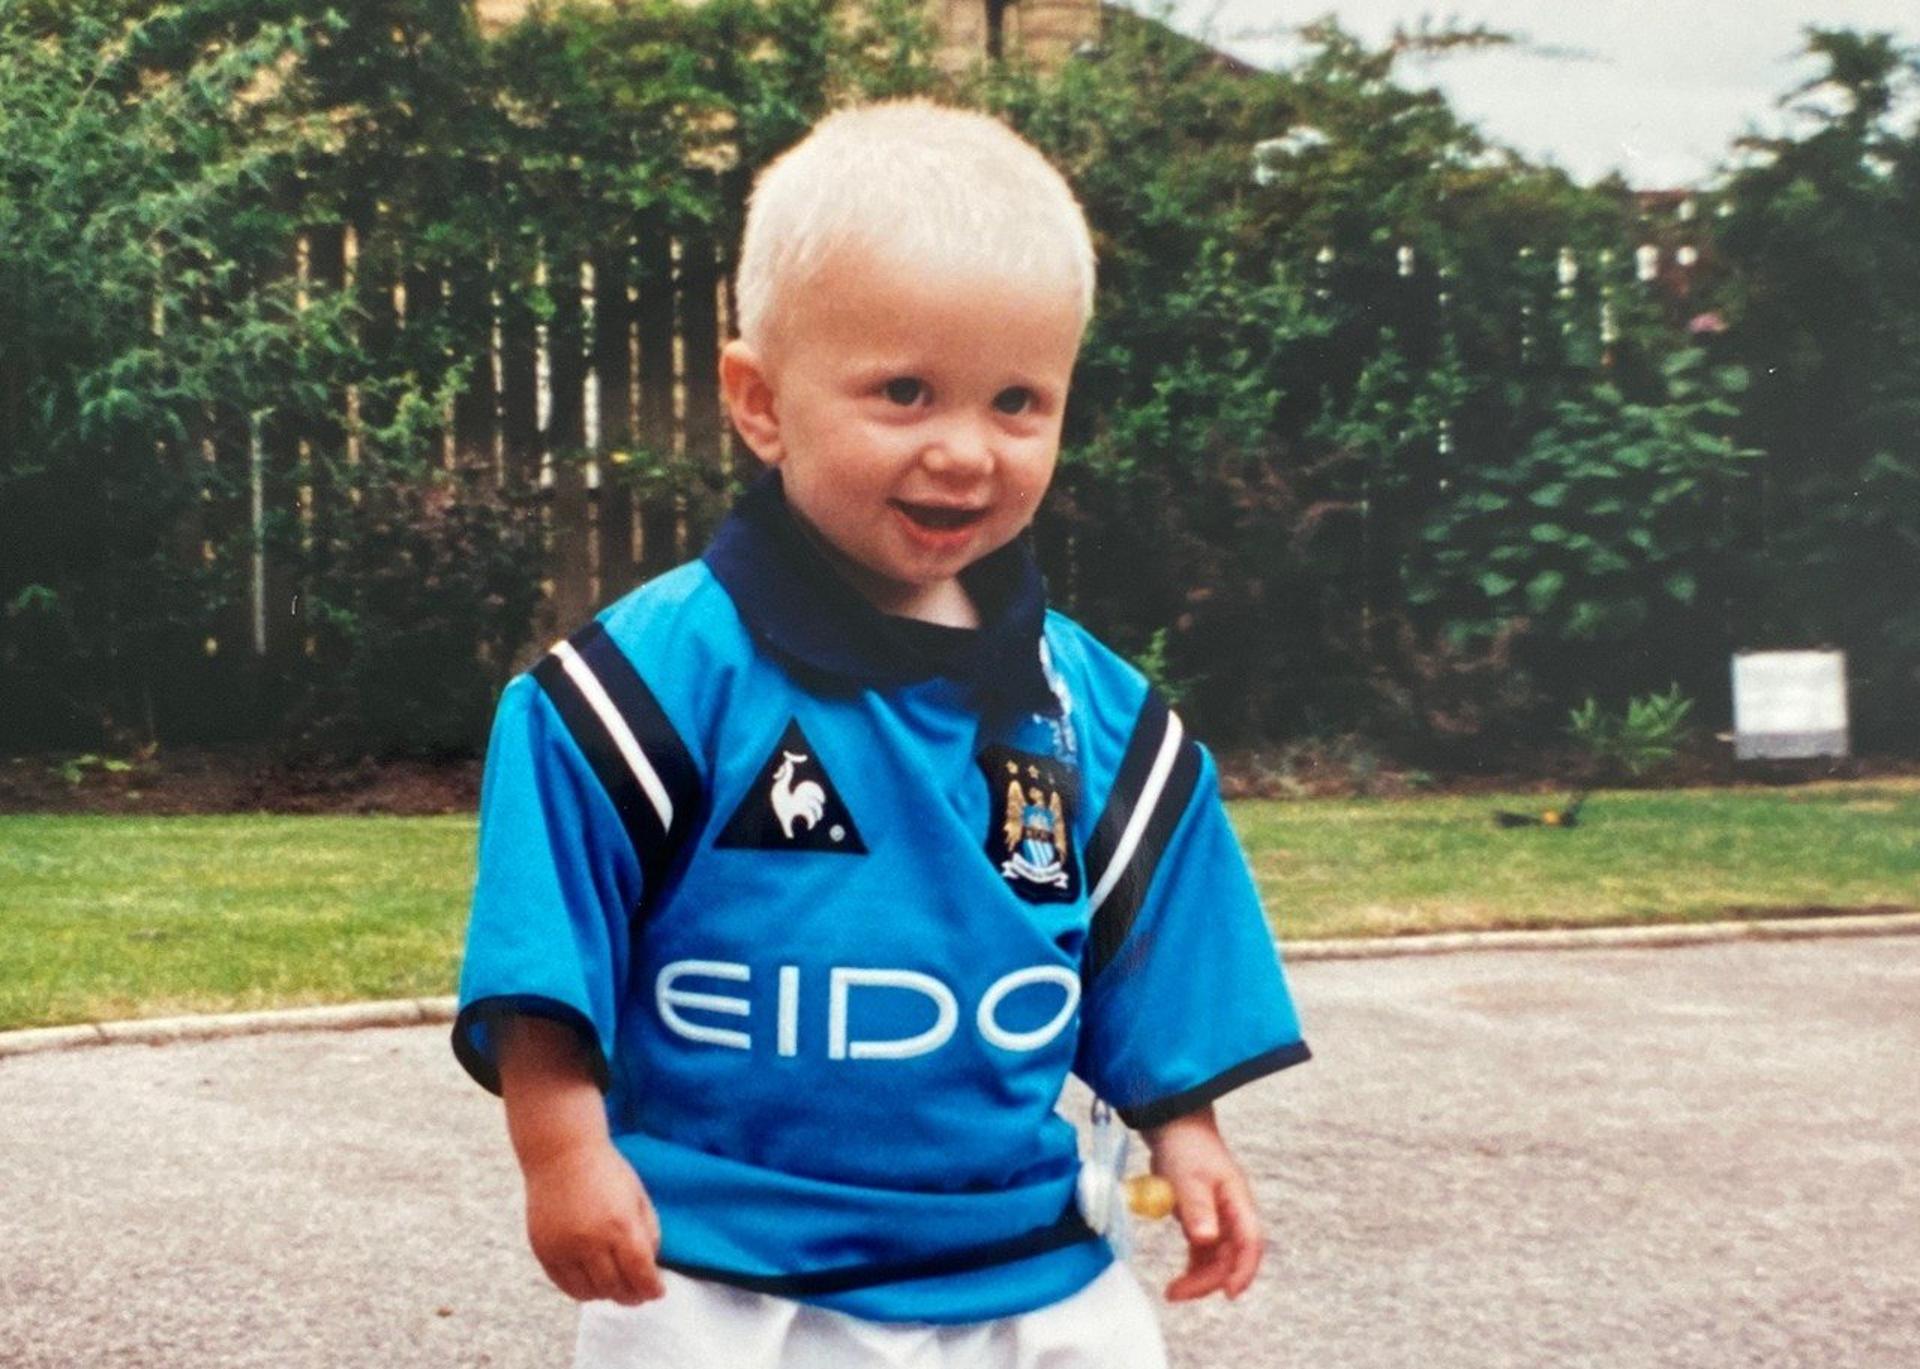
(1701, 1157)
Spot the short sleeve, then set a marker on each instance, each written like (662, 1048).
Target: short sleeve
(1185, 998)
(555, 885)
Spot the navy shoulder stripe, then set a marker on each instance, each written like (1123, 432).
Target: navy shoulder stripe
(1150, 792)
(634, 751)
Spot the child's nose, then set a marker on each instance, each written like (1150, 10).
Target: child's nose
(960, 448)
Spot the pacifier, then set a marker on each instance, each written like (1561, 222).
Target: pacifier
(1109, 1200)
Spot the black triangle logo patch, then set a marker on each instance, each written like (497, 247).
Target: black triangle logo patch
(793, 805)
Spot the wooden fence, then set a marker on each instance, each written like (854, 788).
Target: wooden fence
(624, 363)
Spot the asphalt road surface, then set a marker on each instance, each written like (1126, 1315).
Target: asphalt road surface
(1706, 1156)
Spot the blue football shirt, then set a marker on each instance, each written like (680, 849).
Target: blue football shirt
(835, 909)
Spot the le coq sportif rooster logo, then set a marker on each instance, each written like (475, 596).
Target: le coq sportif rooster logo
(802, 802)
(792, 804)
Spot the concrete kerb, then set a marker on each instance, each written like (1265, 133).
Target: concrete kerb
(1605, 938)
(413, 1012)
(161, 1031)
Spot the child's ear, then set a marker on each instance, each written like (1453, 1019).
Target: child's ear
(748, 387)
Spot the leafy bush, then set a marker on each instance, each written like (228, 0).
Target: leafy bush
(1822, 295)
(1608, 529)
(1453, 703)
(421, 616)
(146, 311)
(1293, 374)
(1349, 449)
(1649, 734)
(1153, 664)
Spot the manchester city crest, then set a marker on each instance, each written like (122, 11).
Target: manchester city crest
(1030, 806)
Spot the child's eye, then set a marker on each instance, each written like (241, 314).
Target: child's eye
(905, 391)
(1015, 399)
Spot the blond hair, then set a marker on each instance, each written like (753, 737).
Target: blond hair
(916, 182)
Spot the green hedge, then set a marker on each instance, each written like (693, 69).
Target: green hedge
(1375, 428)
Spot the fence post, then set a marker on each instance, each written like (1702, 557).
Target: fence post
(700, 332)
(519, 375)
(659, 548)
(613, 377)
(571, 556)
(474, 431)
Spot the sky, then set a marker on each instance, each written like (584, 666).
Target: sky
(1657, 89)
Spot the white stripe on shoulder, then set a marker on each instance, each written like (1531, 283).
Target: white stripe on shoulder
(596, 696)
(1142, 812)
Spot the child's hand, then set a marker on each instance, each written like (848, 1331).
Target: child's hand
(1214, 1204)
(589, 1220)
(592, 1226)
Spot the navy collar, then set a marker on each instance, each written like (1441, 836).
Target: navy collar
(799, 607)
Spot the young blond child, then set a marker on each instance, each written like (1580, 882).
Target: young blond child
(809, 870)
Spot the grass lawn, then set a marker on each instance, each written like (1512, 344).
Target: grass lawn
(1385, 867)
(105, 918)
(111, 917)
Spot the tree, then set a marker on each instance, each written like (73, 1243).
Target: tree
(1330, 311)
(138, 255)
(1823, 250)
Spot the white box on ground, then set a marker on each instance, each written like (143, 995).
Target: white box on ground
(1789, 705)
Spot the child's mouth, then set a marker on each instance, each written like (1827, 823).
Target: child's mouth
(940, 517)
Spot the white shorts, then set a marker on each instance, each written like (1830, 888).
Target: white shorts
(1109, 1324)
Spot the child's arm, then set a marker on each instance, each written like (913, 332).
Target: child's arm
(589, 1221)
(1214, 1203)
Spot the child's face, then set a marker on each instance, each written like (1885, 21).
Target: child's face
(915, 416)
